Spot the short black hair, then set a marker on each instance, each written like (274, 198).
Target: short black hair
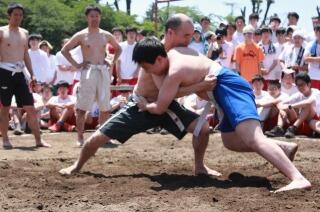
(35, 36)
(289, 30)
(293, 14)
(258, 78)
(240, 17)
(303, 76)
(258, 32)
(205, 18)
(254, 16)
(142, 32)
(232, 25)
(266, 29)
(317, 28)
(90, 8)
(117, 29)
(281, 30)
(13, 6)
(131, 29)
(221, 32)
(275, 83)
(275, 18)
(173, 23)
(147, 50)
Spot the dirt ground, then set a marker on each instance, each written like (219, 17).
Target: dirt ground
(149, 173)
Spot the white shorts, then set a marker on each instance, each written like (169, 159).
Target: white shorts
(94, 86)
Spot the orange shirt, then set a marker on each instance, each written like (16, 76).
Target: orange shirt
(248, 56)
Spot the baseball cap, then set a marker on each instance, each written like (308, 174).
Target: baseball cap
(248, 29)
(298, 33)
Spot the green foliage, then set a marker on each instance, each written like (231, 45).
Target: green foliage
(58, 19)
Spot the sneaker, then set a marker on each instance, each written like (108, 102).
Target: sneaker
(69, 128)
(17, 132)
(55, 128)
(314, 134)
(277, 131)
(153, 130)
(164, 132)
(27, 129)
(291, 132)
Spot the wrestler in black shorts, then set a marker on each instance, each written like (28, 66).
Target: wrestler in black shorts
(129, 121)
(14, 84)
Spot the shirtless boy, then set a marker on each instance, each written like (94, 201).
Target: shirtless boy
(240, 126)
(15, 74)
(130, 121)
(95, 76)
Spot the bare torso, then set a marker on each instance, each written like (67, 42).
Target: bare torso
(146, 87)
(93, 45)
(12, 44)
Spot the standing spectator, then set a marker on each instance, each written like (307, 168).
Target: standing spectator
(312, 57)
(231, 28)
(274, 24)
(248, 56)
(14, 65)
(293, 55)
(238, 36)
(281, 39)
(95, 77)
(47, 47)
(253, 20)
(210, 37)
(205, 25)
(65, 71)
(257, 36)
(293, 18)
(39, 60)
(141, 34)
(198, 43)
(127, 70)
(62, 115)
(271, 70)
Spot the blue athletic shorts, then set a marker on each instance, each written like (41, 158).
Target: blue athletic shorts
(235, 97)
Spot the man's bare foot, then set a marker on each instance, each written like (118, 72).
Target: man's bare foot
(290, 150)
(43, 144)
(296, 184)
(7, 144)
(69, 170)
(207, 171)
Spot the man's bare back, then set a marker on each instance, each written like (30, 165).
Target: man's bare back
(13, 43)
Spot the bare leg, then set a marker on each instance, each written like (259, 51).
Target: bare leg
(89, 149)
(315, 125)
(34, 125)
(234, 143)
(251, 134)
(4, 124)
(200, 145)
(103, 116)
(80, 121)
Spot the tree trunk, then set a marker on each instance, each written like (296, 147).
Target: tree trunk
(128, 7)
(269, 2)
(116, 5)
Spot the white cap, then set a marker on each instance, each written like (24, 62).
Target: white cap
(248, 29)
(298, 33)
(288, 71)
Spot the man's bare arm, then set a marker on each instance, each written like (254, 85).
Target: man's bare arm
(27, 60)
(65, 51)
(167, 94)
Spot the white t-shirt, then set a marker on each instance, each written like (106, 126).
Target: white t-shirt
(40, 65)
(314, 68)
(63, 75)
(52, 63)
(289, 56)
(237, 37)
(263, 96)
(127, 66)
(59, 100)
(275, 74)
(76, 54)
(198, 47)
(228, 50)
(298, 97)
(289, 91)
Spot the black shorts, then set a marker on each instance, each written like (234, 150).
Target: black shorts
(129, 121)
(14, 85)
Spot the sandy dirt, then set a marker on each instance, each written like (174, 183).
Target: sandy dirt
(150, 173)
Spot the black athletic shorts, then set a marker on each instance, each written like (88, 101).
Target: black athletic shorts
(14, 85)
(129, 121)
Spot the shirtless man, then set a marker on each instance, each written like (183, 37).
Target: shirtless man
(240, 124)
(130, 121)
(14, 76)
(95, 76)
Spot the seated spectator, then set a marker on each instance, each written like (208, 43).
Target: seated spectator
(287, 82)
(92, 118)
(44, 112)
(119, 101)
(299, 111)
(62, 114)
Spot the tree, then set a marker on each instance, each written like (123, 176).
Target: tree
(128, 3)
(269, 2)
